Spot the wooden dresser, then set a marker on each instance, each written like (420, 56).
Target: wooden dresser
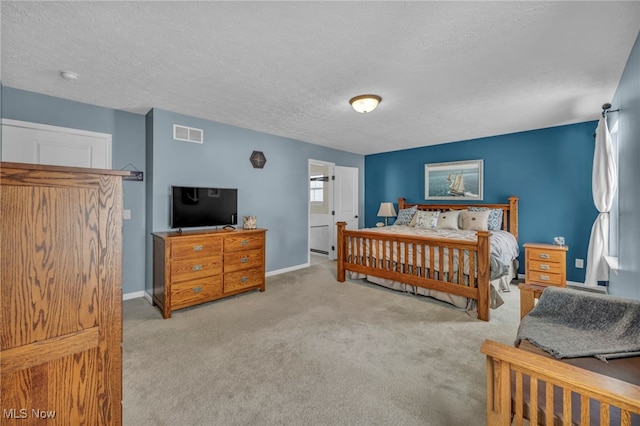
(197, 267)
(546, 264)
(60, 295)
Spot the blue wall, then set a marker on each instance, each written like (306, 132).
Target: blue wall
(276, 194)
(549, 169)
(128, 133)
(627, 98)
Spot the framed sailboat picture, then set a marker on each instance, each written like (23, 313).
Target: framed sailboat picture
(455, 180)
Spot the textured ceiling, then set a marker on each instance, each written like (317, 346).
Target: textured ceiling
(446, 71)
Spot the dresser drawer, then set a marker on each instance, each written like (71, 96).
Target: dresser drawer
(195, 291)
(545, 266)
(247, 259)
(545, 255)
(187, 248)
(544, 278)
(243, 279)
(243, 242)
(189, 269)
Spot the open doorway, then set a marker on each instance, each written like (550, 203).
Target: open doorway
(333, 197)
(320, 210)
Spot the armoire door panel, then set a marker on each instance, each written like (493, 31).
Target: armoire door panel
(53, 271)
(60, 295)
(33, 354)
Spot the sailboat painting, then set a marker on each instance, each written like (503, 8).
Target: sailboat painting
(455, 180)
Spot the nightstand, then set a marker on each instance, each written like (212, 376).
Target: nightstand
(545, 264)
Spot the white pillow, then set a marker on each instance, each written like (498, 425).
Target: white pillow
(448, 219)
(425, 219)
(475, 220)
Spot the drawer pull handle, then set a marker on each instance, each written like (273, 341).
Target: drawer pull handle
(244, 259)
(197, 289)
(244, 279)
(544, 267)
(544, 277)
(544, 256)
(197, 268)
(244, 242)
(197, 248)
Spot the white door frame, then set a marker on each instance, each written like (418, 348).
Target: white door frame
(106, 137)
(330, 183)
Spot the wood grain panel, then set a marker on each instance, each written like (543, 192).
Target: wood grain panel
(243, 242)
(110, 299)
(50, 278)
(243, 279)
(196, 291)
(44, 351)
(60, 295)
(236, 261)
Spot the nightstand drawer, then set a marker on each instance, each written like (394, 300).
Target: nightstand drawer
(182, 270)
(196, 291)
(188, 248)
(545, 266)
(243, 279)
(544, 278)
(237, 261)
(545, 255)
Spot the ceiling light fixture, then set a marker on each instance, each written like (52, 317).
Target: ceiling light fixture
(365, 103)
(69, 75)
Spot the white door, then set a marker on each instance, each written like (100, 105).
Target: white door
(320, 206)
(345, 200)
(35, 143)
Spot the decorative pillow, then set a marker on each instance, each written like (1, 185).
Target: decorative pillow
(475, 220)
(405, 216)
(448, 219)
(423, 219)
(495, 217)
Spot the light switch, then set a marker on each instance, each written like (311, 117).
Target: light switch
(126, 214)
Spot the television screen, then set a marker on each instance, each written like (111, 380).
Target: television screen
(193, 206)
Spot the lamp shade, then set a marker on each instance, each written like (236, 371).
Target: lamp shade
(386, 210)
(365, 103)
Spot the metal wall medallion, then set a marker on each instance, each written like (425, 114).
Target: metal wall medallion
(258, 159)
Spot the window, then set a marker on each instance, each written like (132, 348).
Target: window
(316, 188)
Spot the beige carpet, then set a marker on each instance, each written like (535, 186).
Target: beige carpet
(309, 351)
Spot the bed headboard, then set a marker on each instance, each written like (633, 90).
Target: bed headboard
(509, 211)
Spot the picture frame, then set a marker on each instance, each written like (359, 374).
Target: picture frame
(454, 180)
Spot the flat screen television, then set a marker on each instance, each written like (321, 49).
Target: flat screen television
(198, 207)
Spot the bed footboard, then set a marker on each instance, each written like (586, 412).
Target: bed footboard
(521, 385)
(451, 266)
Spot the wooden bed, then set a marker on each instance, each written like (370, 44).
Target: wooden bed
(351, 256)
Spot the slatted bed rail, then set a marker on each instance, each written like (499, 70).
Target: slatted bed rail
(437, 264)
(521, 385)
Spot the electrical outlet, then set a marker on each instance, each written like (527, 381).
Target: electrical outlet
(579, 263)
(126, 214)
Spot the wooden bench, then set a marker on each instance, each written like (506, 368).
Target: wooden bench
(523, 382)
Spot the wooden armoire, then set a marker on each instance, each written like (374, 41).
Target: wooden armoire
(60, 295)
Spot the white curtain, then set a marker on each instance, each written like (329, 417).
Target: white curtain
(604, 183)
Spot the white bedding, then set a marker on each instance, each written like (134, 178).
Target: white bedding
(503, 263)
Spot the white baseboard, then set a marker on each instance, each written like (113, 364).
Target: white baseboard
(138, 294)
(133, 295)
(580, 286)
(289, 269)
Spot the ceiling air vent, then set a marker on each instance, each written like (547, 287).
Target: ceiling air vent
(187, 134)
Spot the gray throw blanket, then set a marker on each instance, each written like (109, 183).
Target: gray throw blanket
(572, 323)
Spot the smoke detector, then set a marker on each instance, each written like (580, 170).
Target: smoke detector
(69, 75)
